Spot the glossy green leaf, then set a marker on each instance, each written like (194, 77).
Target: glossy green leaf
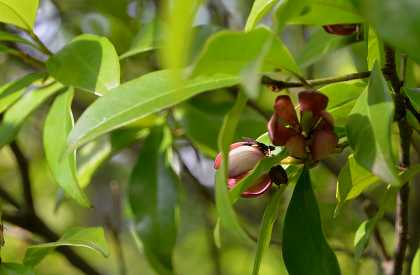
(88, 62)
(21, 13)
(87, 237)
(232, 52)
(146, 40)
(320, 44)
(153, 197)
(413, 95)
(57, 125)
(365, 230)
(397, 23)
(287, 9)
(12, 91)
(415, 267)
(17, 114)
(375, 49)
(369, 129)
(327, 12)
(341, 99)
(259, 9)
(15, 269)
(305, 249)
(138, 98)
(228, 218)
(270, 216)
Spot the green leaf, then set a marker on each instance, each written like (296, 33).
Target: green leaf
(138, 98)
(305, 249)
(232, 52)
(338, 11)
(57, 125)
(11, 37)
(413, 95)
(228, 218)
(147, 39)
(341, 99)
(153, 199)
(396, 23)
(259, 9)
(415, 267)
(87, 237)
(352, 181)
(375, 49)
(88, 62)
(19, 13)
(287, 9)
(12, 91)
(369, 129)
(270, 216)
(15, 269)
(365, 230)
(17, 114)
(320, 44)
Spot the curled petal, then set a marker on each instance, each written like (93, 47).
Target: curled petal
(278, 133)
(296, 146)
(218, 159)
(323, 144)
(242, 159)
(285, 111)
(258, 189)
(312, 101)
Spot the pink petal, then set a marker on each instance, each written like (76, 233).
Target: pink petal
(278, 133)
(217, 161)
(242, 159)
(258, 189)
(285, 111)
(324, 143)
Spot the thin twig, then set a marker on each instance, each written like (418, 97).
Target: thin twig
(26, 58)
(38, 41)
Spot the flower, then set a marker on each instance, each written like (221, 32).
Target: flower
(313, 133)
(243, 157)
(341, 29)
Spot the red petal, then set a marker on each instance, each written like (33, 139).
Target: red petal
(323, 144)
(327, 121)
(296, 146)
(285, 110)
(312, 101)
(277, 132)
(340, 29)
(258, 189)
(217, 161)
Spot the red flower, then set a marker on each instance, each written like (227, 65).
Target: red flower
(243, 157)
(314, 131)
(341, 29)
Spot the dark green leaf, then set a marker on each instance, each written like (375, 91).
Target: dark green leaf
(58, 124)
(88, 62)
(305, 249)
(19, 13)
(87, 237)
(138, 98)
(15, 269)
(17, 114)
(153, 198)
(369, 129)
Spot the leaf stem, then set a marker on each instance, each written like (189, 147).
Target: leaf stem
(42, 47)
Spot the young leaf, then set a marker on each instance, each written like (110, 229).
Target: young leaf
(259, 9)
(12, 91)
(87, 237)
(19, 13)
(270, 216)
(88, 62)
(15, 269)
(58, 124)
(138, 98)
(17, 114)
(153, 198)
(224, 206)
(305, 249)
(231, 52)
(369, 129)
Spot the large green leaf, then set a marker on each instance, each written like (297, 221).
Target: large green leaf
(369, 129)
(12, 91)
(57, 125)
(396, 22)
(88, 62)
(259, 9)
(17, 114)
(305, 249)
(87, 237)
(15, 269)
(138, 98)
(415, 268)
(232, 52)
(227, 215)
(341, 99)
(21, 13)
(270, 216)
(287, 9)
(153, 198)
(326, 12)
(375, 49)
